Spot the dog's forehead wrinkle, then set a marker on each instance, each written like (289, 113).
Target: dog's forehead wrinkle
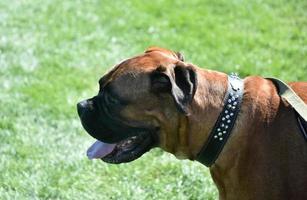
(136, 84)
(143, 63)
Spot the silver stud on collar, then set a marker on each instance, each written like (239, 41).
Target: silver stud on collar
(230, 104)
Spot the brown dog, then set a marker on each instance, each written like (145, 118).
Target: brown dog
(156, 99)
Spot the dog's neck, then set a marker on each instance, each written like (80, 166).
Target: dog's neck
(209, 101)
(206, 107)
(254, 113)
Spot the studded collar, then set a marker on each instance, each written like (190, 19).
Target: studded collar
(224, 123)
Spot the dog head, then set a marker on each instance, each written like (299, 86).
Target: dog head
(139, 106)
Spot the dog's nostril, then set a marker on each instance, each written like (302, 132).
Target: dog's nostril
(82, 106)
(82, 103)
(86, 105)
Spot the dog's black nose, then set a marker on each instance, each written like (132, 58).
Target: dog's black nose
(83, 106)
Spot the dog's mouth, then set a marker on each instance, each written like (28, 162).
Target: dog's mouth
(126, 150)
(117, 141)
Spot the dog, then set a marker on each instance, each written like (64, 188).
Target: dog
(156, 99)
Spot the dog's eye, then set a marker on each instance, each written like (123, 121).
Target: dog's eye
(160, 83)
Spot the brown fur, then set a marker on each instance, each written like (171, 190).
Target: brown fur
(265, 157)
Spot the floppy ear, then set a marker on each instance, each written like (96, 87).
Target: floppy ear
(182, 85)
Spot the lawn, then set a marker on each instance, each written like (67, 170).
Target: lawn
(52, 53)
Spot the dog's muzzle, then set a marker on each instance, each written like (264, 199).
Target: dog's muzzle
(117, 141)
(99, 124)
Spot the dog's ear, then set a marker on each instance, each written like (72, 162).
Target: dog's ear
(181, 84)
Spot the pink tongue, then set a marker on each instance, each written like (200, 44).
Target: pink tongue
(99, 150)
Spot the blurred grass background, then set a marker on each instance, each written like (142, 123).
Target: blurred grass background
(53, 52)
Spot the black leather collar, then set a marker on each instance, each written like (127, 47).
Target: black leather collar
(224, 123)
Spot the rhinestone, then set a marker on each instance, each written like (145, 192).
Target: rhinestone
(237, 96)
(231, 114)
(227, 116)
(215, 136)
(222, 125)
(218, 129)
(223, 118)
(229, 100)
(226, 111)
(233, 107)
(228, 106)
(224, 132)
(219, 134)
(221, 138)
(232, 98)
(235, 103)
(231, 94)
(226, 127)
(228, 121)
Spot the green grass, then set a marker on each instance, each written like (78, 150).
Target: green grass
(52, 53)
